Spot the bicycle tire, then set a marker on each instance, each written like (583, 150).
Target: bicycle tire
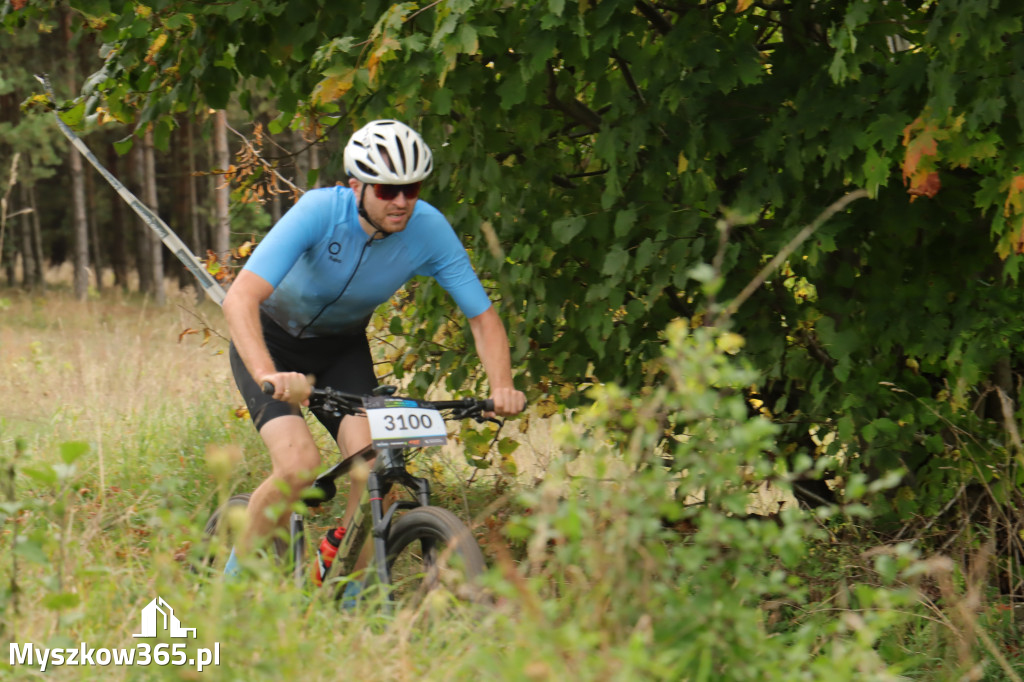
(214, 553)
(429, 548)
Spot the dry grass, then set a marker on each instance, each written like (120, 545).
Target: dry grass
(73, 370)
(112, 371)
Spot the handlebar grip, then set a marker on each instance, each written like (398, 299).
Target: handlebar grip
(268, 388)
(488, 405)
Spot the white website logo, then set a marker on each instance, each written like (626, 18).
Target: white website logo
(170, 623)
(157, 617)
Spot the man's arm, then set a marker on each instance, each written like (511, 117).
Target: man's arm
(242, 312)
(492, 347)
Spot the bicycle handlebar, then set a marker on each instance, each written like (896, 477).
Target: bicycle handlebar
(350, 403)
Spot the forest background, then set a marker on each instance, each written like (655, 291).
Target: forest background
(739, 244)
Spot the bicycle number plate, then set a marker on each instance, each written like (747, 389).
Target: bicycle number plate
(396, 423)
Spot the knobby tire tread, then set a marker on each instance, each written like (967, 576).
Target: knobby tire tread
(450, 536)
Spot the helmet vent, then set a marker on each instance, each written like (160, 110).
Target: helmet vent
(387, 152)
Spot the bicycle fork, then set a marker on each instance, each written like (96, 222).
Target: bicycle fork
(389, 469)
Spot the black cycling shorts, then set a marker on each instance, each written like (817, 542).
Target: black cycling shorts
(343, 363)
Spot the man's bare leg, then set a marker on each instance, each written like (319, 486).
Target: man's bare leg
(353, 436)
(295, 459)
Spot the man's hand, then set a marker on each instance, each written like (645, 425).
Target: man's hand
(290, 387)
(507, 401)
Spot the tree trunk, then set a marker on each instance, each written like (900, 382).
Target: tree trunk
(37, 240)
(119, 253)
(314, 163)
(222, 235)
(197, 236)
(8, 249)
(80, 227)
(156, 253)
(301, 161)
(275, 209)
(28, 262)
(94, 237)
(142, 251)
(180, 194)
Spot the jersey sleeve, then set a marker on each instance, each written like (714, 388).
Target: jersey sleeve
(451, 268)
(298, 230)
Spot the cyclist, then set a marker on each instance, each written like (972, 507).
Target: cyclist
(300, 306)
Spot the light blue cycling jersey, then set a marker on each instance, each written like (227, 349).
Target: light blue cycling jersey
(313, 251)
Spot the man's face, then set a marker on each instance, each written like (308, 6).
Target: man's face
(390, 215)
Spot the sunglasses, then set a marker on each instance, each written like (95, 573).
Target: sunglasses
(390, 192)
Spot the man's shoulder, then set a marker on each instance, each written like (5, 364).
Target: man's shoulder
(426, 217)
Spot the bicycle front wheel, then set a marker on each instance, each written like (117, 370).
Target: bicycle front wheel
(429, 548)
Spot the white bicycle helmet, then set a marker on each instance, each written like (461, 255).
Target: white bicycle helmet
(387, 152)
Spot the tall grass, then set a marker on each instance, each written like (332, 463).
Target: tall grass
(111, 436)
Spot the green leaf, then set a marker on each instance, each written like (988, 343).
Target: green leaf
(140, 28)
(31, 551)
(236, 10)
(61, 601)
(280, 124)
(124, 145)
(624, 221)
(162, 134)
(441, 102)
(615, 262)
(566, 229)
(42, 473)
(876, 172)
(216, 85)
(506, 446)
(72, 451)
(74, 116)
(468, 40)
(512, 91)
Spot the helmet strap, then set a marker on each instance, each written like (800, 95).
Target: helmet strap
(366, 216)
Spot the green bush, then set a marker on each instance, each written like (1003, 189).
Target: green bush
(651, 567)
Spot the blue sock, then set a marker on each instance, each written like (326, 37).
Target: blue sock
(350, 595)
(231, 568)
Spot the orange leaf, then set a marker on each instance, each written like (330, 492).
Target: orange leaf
(743, 5)
(245, 249)
(925, 185)
(1015, 197)
(158, 43)
(185, 333)
(333, 87)
(923, 145)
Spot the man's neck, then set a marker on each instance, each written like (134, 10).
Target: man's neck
(370, 230)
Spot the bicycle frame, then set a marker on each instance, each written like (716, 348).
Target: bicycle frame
(389, 469)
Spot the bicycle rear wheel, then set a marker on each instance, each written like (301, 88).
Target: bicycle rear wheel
(429, 548)
(218, 536)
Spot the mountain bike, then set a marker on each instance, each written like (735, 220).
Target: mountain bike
(416, 547)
